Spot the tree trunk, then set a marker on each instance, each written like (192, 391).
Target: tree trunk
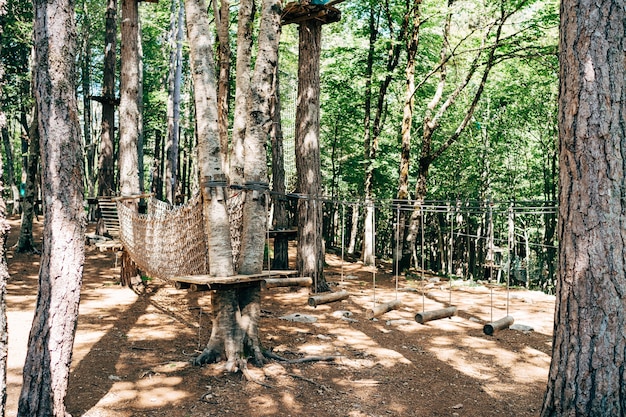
(242, 90)
(106, 171)
(129, 115)
(25, 242)
(90, 146)
(354, 230)
(407, 122)
(222, 14)
(227, 336)
(280, 221)
(8, 151)
(4, 231)
(587, 371)
(4, 277)
(128, 159)
(310, 254)
(49, 355)
(173, 101)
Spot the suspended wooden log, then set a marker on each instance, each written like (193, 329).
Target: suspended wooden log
(383, 308)
(198, 287)
(181, 285)
(330, 297)
(287, 282)
(426, 316)
(503, 323)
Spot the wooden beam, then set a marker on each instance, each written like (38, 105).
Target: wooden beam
(325, 298)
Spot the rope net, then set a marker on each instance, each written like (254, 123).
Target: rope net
(167, 241)
(170, 241)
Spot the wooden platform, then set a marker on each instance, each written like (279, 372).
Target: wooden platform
(204, 282)
(295, 12)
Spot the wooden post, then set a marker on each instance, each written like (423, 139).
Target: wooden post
(327, 298)
(425, 316)
(503, 323)
(381, 309)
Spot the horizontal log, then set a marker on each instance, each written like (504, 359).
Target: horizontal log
(383, 308)
(426, 316)
(287, 282)
(503, 323)
(325, 298)
(233, 279)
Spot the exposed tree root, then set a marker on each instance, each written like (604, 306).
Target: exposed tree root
(271, 355)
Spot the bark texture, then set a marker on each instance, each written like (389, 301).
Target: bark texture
(242, 89)
(106, 164)
(25, 242)
(587, 374)
(4, 269)
(49, 355)
(128, 158)
(310, 253)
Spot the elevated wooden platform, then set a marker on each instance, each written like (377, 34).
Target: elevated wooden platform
(296, 12)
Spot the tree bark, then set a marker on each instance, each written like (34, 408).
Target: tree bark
(222, 14)
(310, 253)
(407, 122)
(48, 359)
(242, 89)
(4, 232)
(280, 221)
(106, 164)
(173, 101)
(10, 171)
(128, 159)
(589, 346)
(25, 242)
(227, 334)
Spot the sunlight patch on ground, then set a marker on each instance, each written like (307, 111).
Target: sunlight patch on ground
(156, 391)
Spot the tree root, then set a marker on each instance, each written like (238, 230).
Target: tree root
(271, 355)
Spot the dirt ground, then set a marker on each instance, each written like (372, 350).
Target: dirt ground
(132, 352)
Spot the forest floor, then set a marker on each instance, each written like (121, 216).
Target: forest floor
(132, 351)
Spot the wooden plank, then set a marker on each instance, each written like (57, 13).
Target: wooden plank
(234, 279)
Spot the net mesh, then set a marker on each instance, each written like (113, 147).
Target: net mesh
(170, 241)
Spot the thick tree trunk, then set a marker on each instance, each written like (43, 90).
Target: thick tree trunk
(310, 254)
(48, 359)
(173, 100)
(128, 159)
(25, 242)
(242, 89)
(106, 163)
(587, 375)
(226, 340)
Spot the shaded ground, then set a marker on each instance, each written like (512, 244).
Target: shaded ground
(132, 352)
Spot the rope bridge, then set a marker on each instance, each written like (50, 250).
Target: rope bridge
(170, 241)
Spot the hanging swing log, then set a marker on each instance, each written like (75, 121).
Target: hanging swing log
(426, 316)
(287, 282)
(383, 308)
(326, 298)
(503, 323)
